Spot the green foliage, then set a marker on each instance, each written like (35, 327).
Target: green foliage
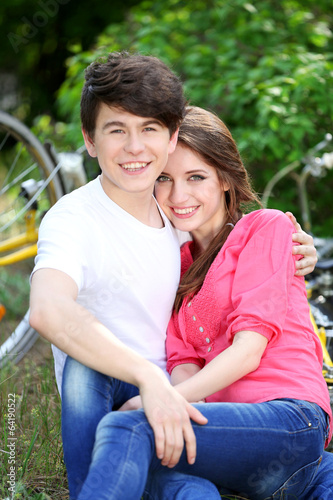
(36, 37)
(265, 67)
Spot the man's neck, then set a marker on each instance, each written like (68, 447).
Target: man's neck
(141, 205)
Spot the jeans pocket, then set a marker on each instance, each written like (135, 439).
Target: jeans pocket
(297, 483)
(310, 414)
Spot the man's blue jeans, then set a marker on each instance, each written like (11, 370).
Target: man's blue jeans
(270, 450)
(87, 396)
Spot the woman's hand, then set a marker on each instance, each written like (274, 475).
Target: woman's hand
(306, 248)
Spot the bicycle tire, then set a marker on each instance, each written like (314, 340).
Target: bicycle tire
(30, 161)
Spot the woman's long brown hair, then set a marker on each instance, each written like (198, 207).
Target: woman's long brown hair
(206, 135)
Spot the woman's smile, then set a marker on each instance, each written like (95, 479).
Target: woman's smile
(191, 194)
(184, 212)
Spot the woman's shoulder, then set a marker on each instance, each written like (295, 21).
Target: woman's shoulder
(264, 224)
(266, 217)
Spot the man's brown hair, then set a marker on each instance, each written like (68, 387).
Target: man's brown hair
(141, 85)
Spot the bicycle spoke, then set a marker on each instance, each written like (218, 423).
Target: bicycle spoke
(32, 200)
(29, 183)
(17, 179)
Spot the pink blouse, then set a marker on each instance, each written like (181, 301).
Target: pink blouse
(251, 285)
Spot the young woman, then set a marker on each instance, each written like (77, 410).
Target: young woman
(240, 340)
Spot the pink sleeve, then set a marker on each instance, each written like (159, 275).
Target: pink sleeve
(263, 277)
(178, 350)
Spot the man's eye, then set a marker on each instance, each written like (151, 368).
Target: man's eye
(116, 131)
(162, 178)
(149, 129)
(197, 178)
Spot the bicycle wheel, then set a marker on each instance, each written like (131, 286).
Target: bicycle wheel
(29, 185)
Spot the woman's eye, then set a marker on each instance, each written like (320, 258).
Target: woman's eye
(162, 178)
(197, 178)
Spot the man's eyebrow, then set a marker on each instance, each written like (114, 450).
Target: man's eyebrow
(152, 121)
(116, 123)
(113, 124)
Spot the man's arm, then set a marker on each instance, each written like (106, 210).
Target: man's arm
(56, 315)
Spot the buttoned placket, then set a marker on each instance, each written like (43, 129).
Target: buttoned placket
(201, 328)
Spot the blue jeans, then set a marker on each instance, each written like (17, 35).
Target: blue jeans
(87, 396)
(270, 450)
(321, 488)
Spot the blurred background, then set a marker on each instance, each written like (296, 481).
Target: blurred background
(265, 66)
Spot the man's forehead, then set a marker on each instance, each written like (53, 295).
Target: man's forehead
(119, 116)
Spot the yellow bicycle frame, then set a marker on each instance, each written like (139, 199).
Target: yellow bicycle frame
(322, 337)
(27, 240)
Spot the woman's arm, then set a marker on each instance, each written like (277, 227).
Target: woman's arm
(241, 358)
(183, 372)
(305, 248)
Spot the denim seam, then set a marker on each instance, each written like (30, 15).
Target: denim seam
(108, 386)
(317, 416)
(126, 464)
(315, 422)
(266, 429)
(283, 489)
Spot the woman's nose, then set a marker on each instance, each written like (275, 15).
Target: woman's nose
(178, 193)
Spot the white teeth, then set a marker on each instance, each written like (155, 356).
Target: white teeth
(134, 166)
(183, 211)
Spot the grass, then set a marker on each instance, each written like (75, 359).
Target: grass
(34, 419)
(30, 410)
(15, 287)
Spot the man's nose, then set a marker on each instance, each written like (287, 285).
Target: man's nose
(134, 144)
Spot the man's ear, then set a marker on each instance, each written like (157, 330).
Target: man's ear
(90, 145)
(173, 141)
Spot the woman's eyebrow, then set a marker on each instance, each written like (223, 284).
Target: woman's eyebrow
(189, 172)
(197, 171)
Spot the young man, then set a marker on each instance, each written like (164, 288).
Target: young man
(108, 265)
(108, 268)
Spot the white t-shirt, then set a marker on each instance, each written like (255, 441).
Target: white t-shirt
(127, 273)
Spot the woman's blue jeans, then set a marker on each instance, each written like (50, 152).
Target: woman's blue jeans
(270, 450)
(87, 396)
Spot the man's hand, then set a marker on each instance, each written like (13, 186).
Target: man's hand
(169, 415)
(306, 248)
